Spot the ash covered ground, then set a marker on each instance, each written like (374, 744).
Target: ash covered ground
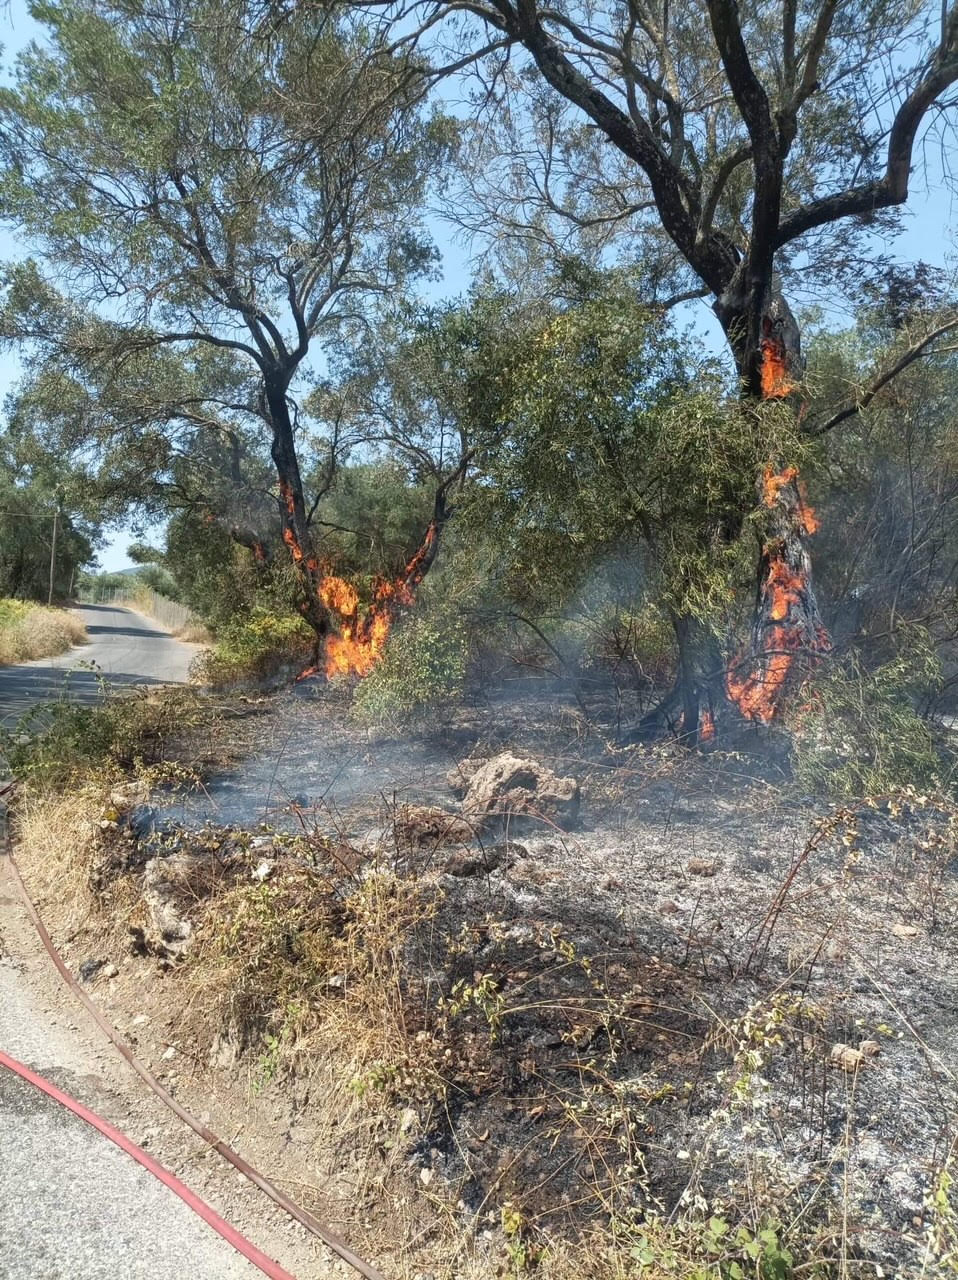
(706, 992)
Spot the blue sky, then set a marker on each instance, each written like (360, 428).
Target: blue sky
(927, 233)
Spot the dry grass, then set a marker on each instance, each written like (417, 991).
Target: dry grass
(30, 631)
(194, 633)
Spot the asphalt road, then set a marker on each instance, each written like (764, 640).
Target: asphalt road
(124, 649)
(72, 1205)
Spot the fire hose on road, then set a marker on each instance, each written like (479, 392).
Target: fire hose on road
(199, 1207)
(301, 1215)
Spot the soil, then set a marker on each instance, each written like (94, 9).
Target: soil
(710, 994)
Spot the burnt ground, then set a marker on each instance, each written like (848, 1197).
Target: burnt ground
(711, 996)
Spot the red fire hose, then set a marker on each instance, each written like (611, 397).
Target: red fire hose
(301, 1215)
(200, 1207)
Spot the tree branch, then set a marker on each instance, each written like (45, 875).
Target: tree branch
(864, 400)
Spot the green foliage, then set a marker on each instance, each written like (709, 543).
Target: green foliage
(424, 666)
(32, 489)
(373, 519)
(857, 731)
(253, 646)
(55, 744)
(604, 432)
(712, 1250)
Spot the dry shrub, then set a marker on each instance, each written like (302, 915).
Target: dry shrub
(55, 843)
(194, 633)
(34, 631)
(299, 963)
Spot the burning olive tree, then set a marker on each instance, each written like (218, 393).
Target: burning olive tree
(731, 144)
(200, 179)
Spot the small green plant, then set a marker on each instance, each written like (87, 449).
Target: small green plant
(253, 646)
(482, 993)
(276, 1045)
(424, 665)
(690, 1249)
(942, 1248)
(857, 731)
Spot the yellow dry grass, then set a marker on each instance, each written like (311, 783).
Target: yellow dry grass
(33, 631)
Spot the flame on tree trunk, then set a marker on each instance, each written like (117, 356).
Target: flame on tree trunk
(358, 643)
(787, 630)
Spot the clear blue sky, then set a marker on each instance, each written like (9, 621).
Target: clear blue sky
(927, 234)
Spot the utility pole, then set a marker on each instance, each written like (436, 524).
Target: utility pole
(53, 551)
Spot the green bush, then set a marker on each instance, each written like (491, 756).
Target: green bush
(56, 743)
(857, 732)
(255, 646)
(424, 665)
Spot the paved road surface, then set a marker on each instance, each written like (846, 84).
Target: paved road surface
(72, 1205)
(124, 649)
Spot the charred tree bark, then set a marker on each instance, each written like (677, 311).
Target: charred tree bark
(696, 708)
(787, 632)
(292, 508)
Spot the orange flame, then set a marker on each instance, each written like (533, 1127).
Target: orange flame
(776, 384)
(755, 683)
(360, 642)
(707, 730)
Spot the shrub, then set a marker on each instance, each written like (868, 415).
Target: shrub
(56, 743)
(254, 647)
(858, 733)
(424, 665)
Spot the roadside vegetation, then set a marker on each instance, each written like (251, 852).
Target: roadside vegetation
(34, 631)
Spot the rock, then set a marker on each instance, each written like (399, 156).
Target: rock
(129, 795)
(408, 1120)
(460, 775)
(703, 866)
(508, 786)
(169, 1054)
(263, 871)
(869, 1048)
(171, 887)
(422, 826)
(224, 1052)
(904, 930)
(90, 968)
(109, 971)
(844, 1056)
